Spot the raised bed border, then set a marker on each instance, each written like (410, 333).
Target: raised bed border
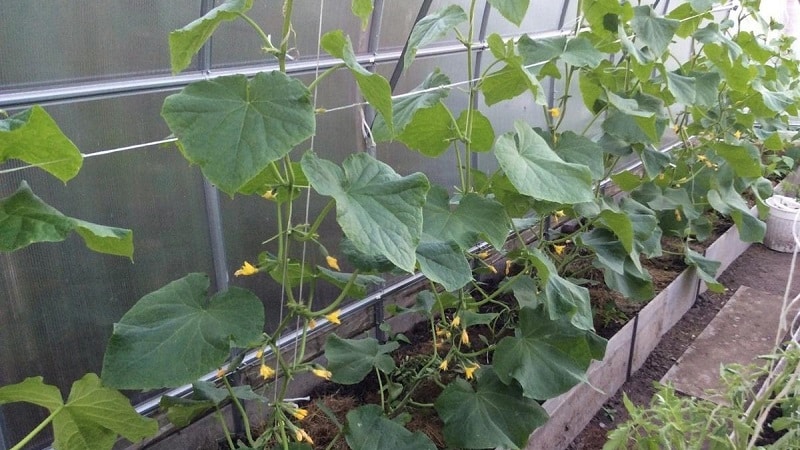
(628, 350)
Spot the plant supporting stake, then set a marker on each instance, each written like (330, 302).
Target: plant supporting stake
(378, 315)
(633, 347)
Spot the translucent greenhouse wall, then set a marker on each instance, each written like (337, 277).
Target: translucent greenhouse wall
(102, 71)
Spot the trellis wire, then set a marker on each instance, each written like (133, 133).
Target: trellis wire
(306, 215)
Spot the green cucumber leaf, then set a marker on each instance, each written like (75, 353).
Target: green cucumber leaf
(233, 128)
(491, 415)
(537, 171)
(369, 429)
(34, 137)
(92, 418)
(350, 360)
(176, 334)
(187, 41)
(378, 210)
(26, 219)
(546, 357)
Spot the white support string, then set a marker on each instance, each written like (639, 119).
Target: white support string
(307, 203)
(92, 155)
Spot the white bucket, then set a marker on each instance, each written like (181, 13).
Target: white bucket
(782, 212)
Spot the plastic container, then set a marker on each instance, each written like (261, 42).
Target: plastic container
(780, 223)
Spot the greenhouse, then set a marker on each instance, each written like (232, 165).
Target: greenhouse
(384, 224)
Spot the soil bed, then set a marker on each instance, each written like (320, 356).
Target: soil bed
(612, 311)
(758, 267)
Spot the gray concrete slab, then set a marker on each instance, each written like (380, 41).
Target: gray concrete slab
(743, 330)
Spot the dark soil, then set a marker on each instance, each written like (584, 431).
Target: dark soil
(758, 267)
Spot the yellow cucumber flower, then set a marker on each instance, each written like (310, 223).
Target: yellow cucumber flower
(469, 372)
(456, 321)
(246, 270)
(333, 263)
(559, 249)
(737, 134)
(464, 337)
(221, 372)
(508, 266)
(270, 195)
(260, 353)
(322, 373)
(491, 268)
(312, 324)
(483, 255)
(443, 365)
(266, 371)
(559, 214)
(678, 215)
(300, 413)
(300, 435)
(555, 112)
(334, 317)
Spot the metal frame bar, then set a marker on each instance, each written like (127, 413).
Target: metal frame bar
(135, 86)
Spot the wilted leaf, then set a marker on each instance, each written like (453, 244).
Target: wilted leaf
(432, 28)
(373, 86)
(186, 42)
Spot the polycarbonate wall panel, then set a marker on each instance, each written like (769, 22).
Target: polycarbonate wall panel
(60, 300)
(576, 116)
(541, 17)
(238, 43)
(398, 18)
(441, 170)
(46, 41)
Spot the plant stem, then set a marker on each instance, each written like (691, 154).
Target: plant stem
(38, 429)
(380, 389)
(241, 409)
(267, 44)
(335, 305)
(287, 28)
(420, 405)
(563, 101)
(470, 101)
(323, 75)
(225, 429)
(314, 227)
